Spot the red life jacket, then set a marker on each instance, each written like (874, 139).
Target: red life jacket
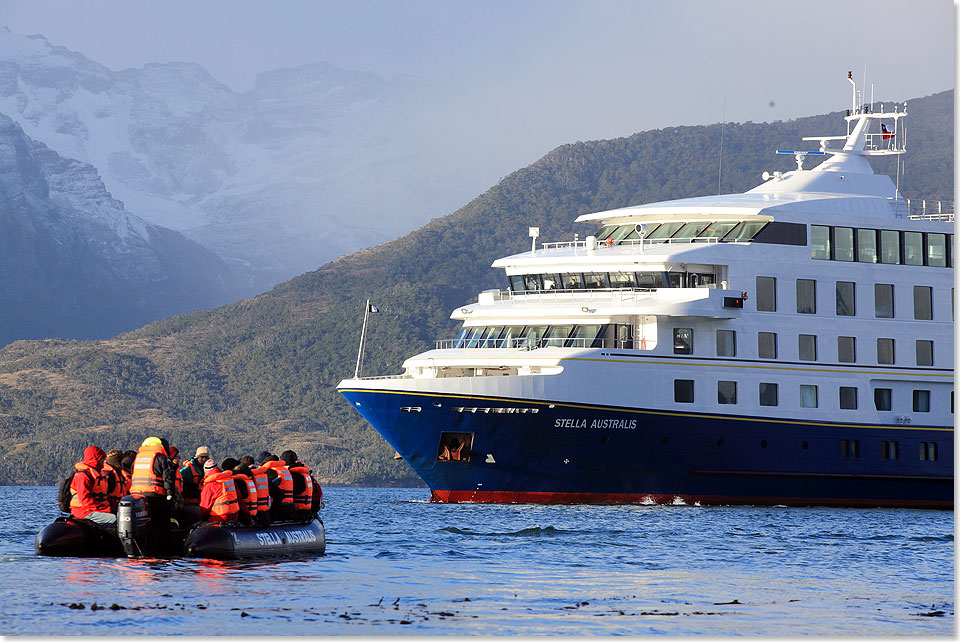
(286, 480)
(144, 479)
(226, 504)
(95, 499)
(303, 500)
(251, 499)
(178, 482)
(263, 488)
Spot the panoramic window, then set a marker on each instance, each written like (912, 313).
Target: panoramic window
(806, 296)
(455, 446)
(890, 246)
(924, 352)
(726, 343)
(510, 336)
(886, 349)
(768, 394)
(516, 283)
(847, 349)
(623, 280)
(716, 230)
(690, 231)
(767, 345)
(663, 231)
(550, 282)
(913, 248)
(808, 396)
(820, 242)
(807, 346)
(595, 280)
(846, 299)
(586, 336)
(866, 246)
(883, 398)
(572, 281)
(922, 302)
(650, 280)
(744, 231)
(683, 340)
(848, 398)
(936, 249)
(843, 243)
(921, 401)
(556, 335)
(727, 392)
(683, 390)
(766, 294)
(883, 300)
(531, 281)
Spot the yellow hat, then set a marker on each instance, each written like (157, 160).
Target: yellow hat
(151, 441)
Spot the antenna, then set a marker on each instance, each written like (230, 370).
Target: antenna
(723, 120)
(853, 109)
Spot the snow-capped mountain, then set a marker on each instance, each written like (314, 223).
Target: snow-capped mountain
(75, 264)
(312, 163)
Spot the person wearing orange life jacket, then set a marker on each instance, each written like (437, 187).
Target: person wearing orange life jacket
(259, 476)
(154, 476)
(246, 489)
(302, 484)
(117, 485)
(219, 501)
(88, 489)
(192, 474)
(281, 487)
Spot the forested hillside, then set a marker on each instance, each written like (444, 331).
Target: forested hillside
(261, 373)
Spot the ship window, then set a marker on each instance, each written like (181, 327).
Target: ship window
(924, 352)
(922, 302)
(727, 392)
(683, 340)
(890, 246)
(623, 334)
(846, 299)
(605, 232)
(663, 231)
(767, 345)
(937, 250)
(808, 396)
(928, 451)
(807, 347)
(460, 341)
(744, 231)
(768, 394)
(889, 450)
(621, 232)
(820, 242)
(531, 336)
(766, 294)
(883, 300)
(726, 343)
(595, 280)
(586, 336)
(475, 335)
(716, 230)
(531, 281)
(649, 279)
(883, 398)
(550, 281)
(455, 446)
(886, 351)
(489, 339)
(690, 231)
(913, 248)
(848, 398)
(843, 243)
(683, 390)
(510, 336)
(572, 281)
(867, 246)
(921, 401)
(847, 349)
(556, 335)
(516, 283)
(676, 279)
(806, 296)
(850, 448)
(623, 280)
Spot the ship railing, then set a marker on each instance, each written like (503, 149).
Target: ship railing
(632, 242)
(399, 376)
(622, 294)
(531, 343)
(923, 209)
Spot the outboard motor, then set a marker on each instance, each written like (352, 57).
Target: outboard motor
(138, 535)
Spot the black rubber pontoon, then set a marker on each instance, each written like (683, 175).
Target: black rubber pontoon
(71, 537)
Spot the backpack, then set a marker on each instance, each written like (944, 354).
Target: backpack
(65, 494)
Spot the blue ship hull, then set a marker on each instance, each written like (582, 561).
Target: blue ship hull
(525, 450)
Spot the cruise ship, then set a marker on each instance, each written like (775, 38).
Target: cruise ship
(790, 345)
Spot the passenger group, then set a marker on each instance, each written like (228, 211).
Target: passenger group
(270, 488)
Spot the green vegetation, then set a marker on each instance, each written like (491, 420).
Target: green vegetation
(260, 374)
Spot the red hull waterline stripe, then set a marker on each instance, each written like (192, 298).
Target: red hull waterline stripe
(510, 497)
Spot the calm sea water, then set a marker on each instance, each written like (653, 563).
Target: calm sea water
(397, 564)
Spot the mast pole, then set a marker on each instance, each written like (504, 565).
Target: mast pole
(363, 334)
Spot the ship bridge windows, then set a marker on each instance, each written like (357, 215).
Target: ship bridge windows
(706, 231)
(892, 247)
(595, 280)
(616, 335)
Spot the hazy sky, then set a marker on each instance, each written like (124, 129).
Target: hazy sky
(564, 70)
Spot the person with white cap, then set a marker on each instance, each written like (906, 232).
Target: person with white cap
(192, 474)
